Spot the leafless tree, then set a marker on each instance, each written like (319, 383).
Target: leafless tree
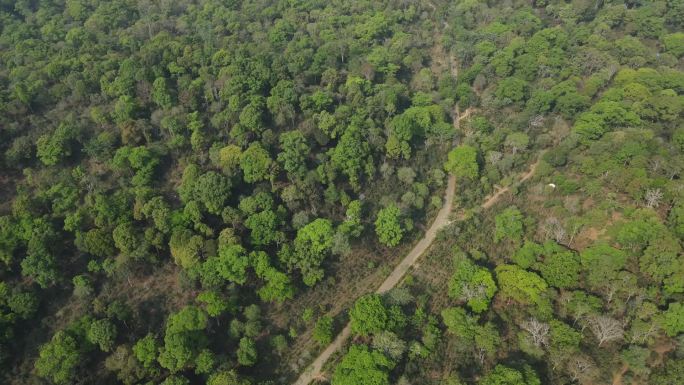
(537, 121)
(653, 197)
(494, 157)
(642, 335)
(654, 164)
(580, 369)
(572, 204)
(554, 229)
(471, 292)
(539, 331)
(606, 328)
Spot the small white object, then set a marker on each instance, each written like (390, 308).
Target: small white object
(552, 185)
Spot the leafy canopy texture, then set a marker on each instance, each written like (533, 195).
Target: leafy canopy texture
(368, 315)
(462, 162)
(362, 366)
(388, 226)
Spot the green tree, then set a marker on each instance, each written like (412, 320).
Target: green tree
(462, 162)
(561, 267)
(522, 286)
(161, 94)
(323, 331)
(674, 43)
(509, 225)
(511, 90)
(229, 158)
(601, 262)
(185, 247)
(255, 163)
(387, 226)
(146, 350)
(472, 284)
(212, 190)
(102, 333)
(673, 319)
(263, 226)
(295, 149)
(503, 375)
(184, 338)
(214, 305)
(232, 263)
(55, 147)
(247, 353)
(368, 315)
(59, 359)
(225, 377)
(312, 244)
(361, 366)
(351, 155)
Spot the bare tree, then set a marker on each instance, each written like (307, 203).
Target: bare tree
(539, 331)
(653, 197)
(472, 292)
(537, 121)
(640, 336)
(580, 369)
(605, 328)
(494, 157)
(554, 229)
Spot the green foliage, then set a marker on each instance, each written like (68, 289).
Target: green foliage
(511, 90)
(231, 263)
(294, 152)
(55, 147)
(59, 359)
(323, 332)
(527, 255)
(255, 163)
(503, 375)
(102, 333)
(522, 286)
(351, 155)
(462, 162)
(361, 366)
(225, 377)
(184, 338)
(185, 247)
(387, 226)
(368, 315)
(673, 320)
(214, 305)
(472, 284)
(601, 262)
(212, 190)
(509, 225)
(247, 353)
(561, 267)
(312, 244)
(146, 350)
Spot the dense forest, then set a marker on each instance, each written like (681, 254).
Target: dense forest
(207, 192)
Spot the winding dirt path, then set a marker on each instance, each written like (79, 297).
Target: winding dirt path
(500, 191)
(313, 371)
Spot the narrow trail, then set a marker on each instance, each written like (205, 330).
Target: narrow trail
(314, 370)
(489, 202)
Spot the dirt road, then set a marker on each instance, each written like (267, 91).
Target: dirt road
(313, 371)
(489, 202)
